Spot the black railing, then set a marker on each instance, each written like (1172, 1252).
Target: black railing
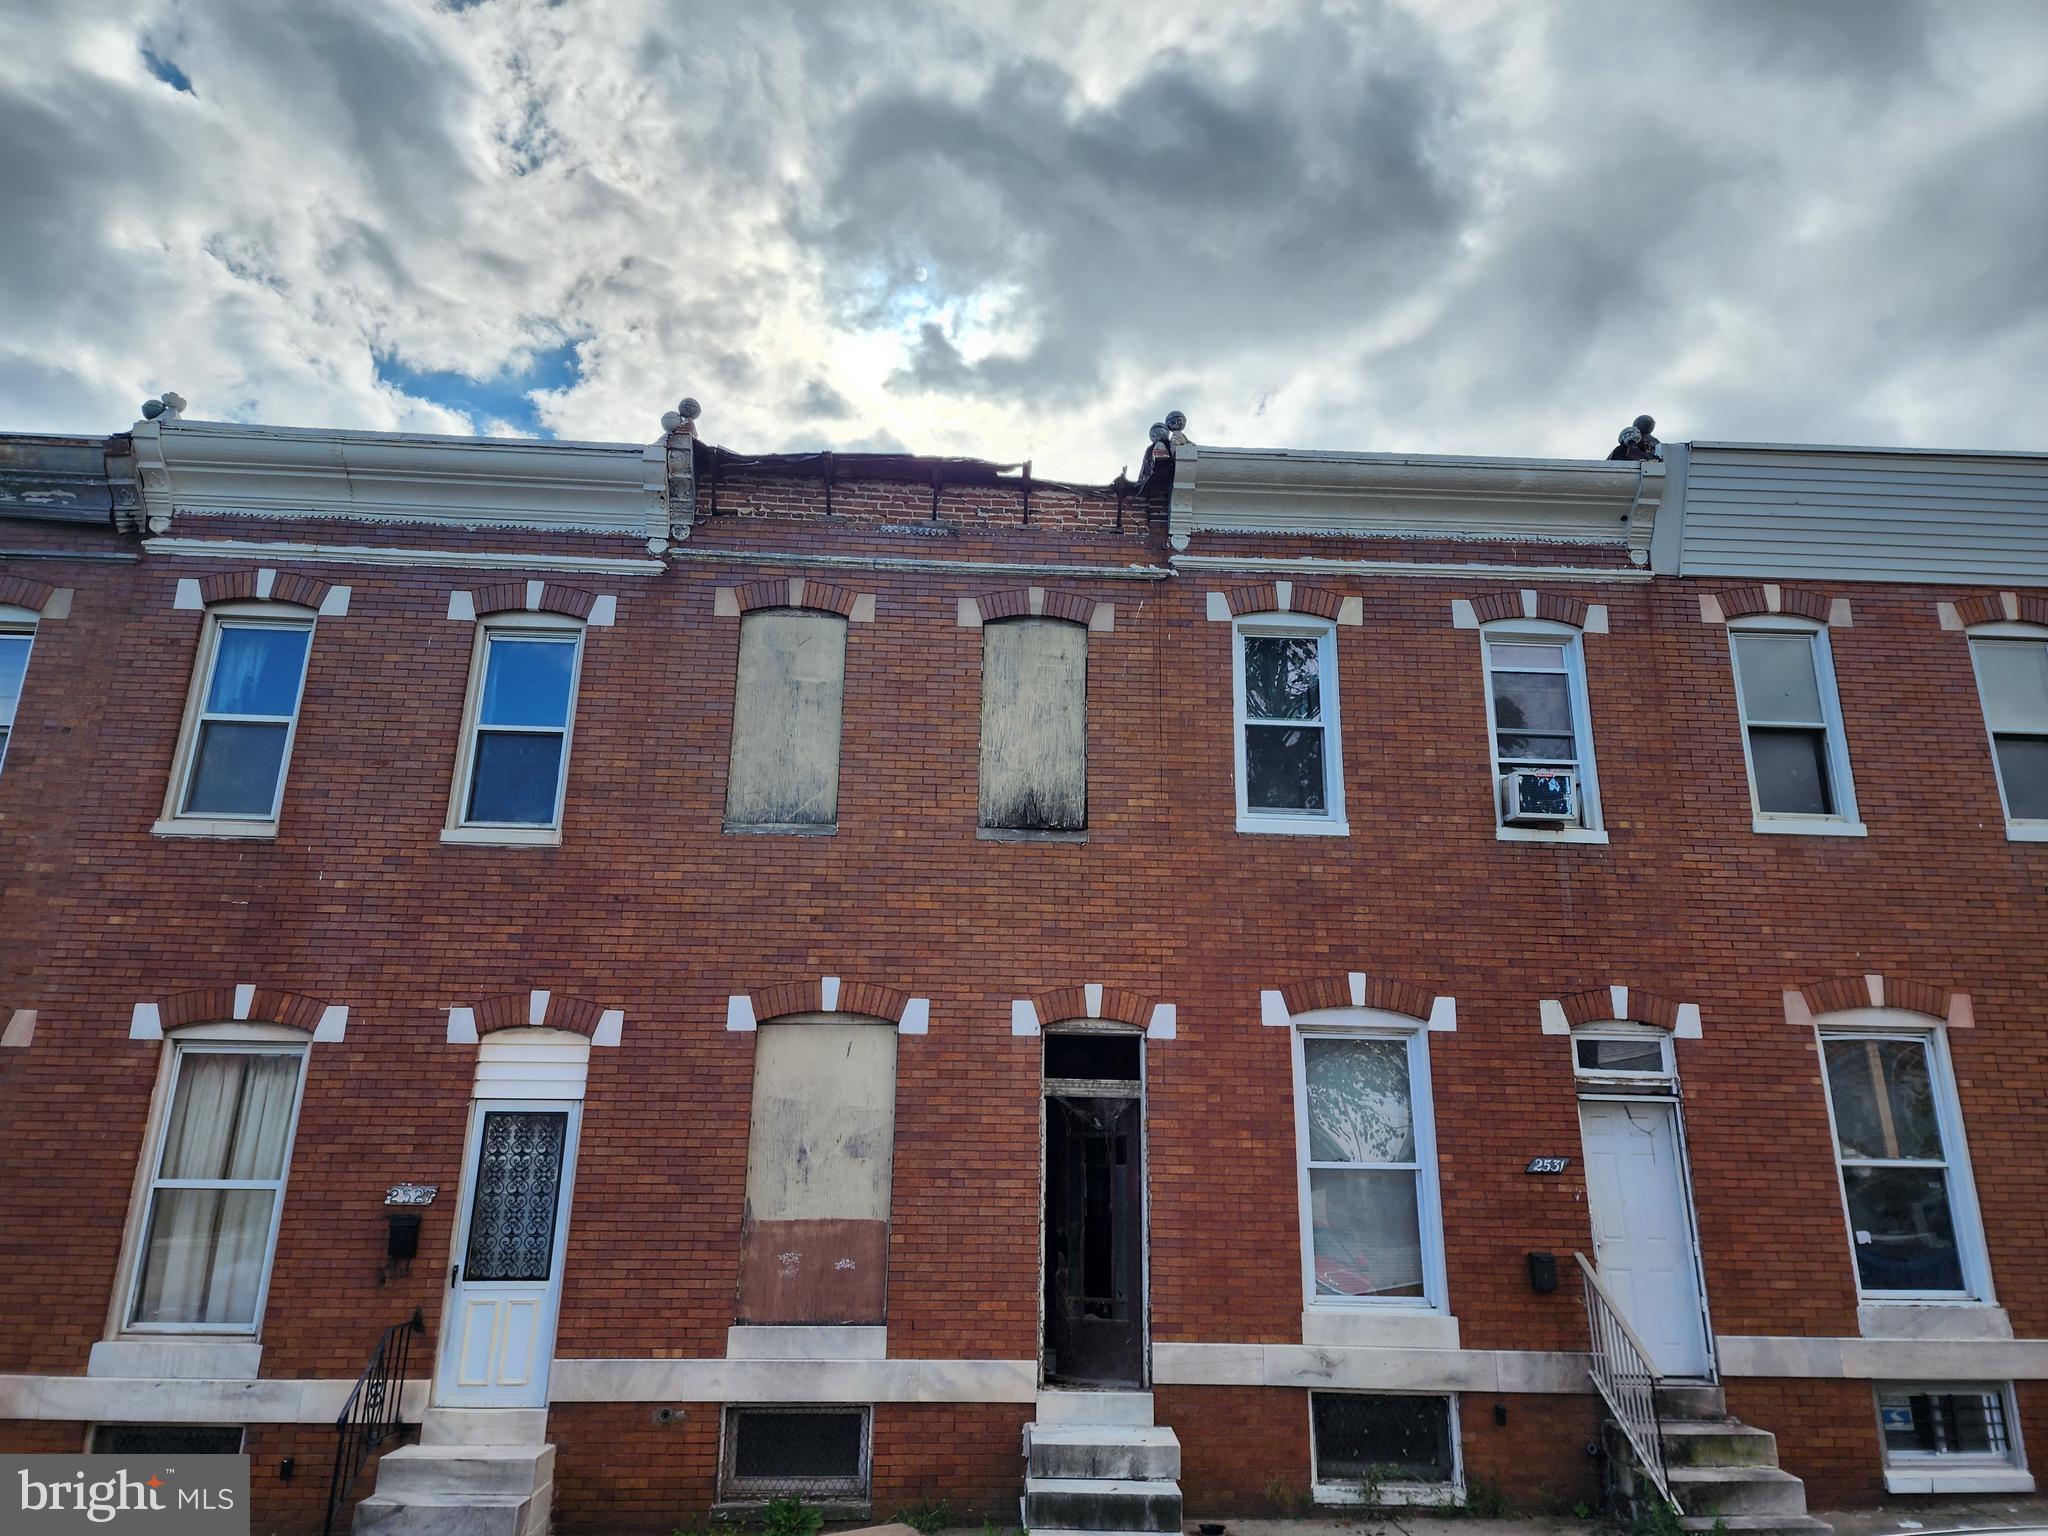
(373, 1413)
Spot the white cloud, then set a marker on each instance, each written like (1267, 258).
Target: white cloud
(1501, 229)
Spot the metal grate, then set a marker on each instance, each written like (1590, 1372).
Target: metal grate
(1380, 1438)
(819, 1454)
(167, 1440)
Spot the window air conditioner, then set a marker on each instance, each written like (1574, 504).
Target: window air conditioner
(1539, 797)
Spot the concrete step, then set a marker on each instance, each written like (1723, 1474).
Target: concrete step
(1060, 1406)
(1737, 1491)
(1691, 1400)
(1717, 1443)
(1114, 1452)
(1759, 1525)
(484, 1426)
(456, 1470)
(1100, 1504)
(477, 1514)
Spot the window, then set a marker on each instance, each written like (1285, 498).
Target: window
(515, 754)
(216, 1188)
(1034, 726)
(784, 774)
(1951, 1438)
(166, 1440)
(1536, 712)
(14, 648)
(239, 729)
(2012, 680)
(1289, 774)
(1371, 1229)
(1911, 1215)
(1792, 729)
(1621, 1052)
(1367, 1445)
(821, 1146)
(819, 1454)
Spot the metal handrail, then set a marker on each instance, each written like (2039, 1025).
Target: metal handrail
(374, 1412)
(1625, 1378)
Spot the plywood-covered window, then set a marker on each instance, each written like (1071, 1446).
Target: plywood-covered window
(814, 1242)
(785, 721)
(1034, 726)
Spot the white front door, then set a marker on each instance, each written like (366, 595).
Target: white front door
(506, 1282)
(1642, 1227)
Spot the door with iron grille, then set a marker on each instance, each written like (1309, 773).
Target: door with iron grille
(505, 1283)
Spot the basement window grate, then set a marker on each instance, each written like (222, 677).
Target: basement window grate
(819, 1454)
(166, 1440)
(1366, 1444)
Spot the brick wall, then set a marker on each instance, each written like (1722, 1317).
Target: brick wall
(647, 907)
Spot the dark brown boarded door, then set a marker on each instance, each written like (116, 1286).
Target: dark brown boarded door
(1094, 1211)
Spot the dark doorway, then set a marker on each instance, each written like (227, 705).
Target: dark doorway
(1094, 1235)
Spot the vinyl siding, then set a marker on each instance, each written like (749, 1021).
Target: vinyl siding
(1846, 515)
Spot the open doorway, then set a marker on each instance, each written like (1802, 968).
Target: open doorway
(1094, 1246)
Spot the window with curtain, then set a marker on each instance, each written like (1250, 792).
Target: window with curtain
(216, 1188)
(1364, 1168)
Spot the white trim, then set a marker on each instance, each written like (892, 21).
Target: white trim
(611, 1028)
(145, 1023)
(1535, 631)
(176, 820)
(1843, 820)
(1374, 1024)
(164, 1357)
(462, 1026)
(2018, 829)
(1164, 1023)
(1369, 1369)
(1965, 1216)
(864, 611)
(517, 628)
(1330, 821)
(813, 1341)
(389, 554)
(1936, 1478)
(1436, 570)
(1024, 1017)
(20, 1032)
(793, 1381)
(917, 1017)
(739, 1012)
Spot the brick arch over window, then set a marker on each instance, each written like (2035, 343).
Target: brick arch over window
(797, 592)
(519, 596)
(828, 994)
(248, 586)
(1839, 993)
(20, 592)
(1620, 1004)
(1285, 597)
(244, 1003)
(1985, 608)
(536, 1009)
(1355, 989)
(1038, 602)
(1746, 602)
(1554, 606)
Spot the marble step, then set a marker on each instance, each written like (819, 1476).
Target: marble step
(476, 1514)
(1717, 1443)
(454, 1470)
(1099, 1504)
(1737, 1491)
(1103, 1452)
(1057, 1406)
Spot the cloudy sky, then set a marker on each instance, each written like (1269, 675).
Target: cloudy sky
(1028, 230)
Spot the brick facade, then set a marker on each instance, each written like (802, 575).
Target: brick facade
(648, 908)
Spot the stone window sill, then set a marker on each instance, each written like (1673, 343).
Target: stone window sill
(1958, 1480)
(201, 826)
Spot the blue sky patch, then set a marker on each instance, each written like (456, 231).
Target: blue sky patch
(168, 72)
(505, 396)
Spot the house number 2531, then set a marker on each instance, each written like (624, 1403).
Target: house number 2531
(1548, 1165)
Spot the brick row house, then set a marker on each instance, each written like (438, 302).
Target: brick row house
(1292, 978)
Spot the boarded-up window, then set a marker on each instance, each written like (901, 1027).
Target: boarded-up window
(1034, 725)
(814, 1245)
(785, 720)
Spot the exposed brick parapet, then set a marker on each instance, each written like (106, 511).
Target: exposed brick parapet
(1839, 993)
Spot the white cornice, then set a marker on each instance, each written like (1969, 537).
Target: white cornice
(1280, 491)
(219, 468)
(385, 554)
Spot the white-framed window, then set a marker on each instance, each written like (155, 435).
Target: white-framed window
(1906, 1186)
(1365, 1136)
(1951, 1437)
(216, 1187)
(17, 638)
(1623, 1053)
(2011, 662)
(1384, 1448)
(240, 720)
(1792, 736)
(1538, 721)
(1290, 770)
(517, 724)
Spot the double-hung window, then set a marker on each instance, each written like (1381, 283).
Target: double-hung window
(15, 641)
(216, 1187)
(1540, 725)
(240, 723)
(1912, 1213)
(1792, 728)
(2012, 680)
(515, 752)
(1290, 774)
(1371, 1231)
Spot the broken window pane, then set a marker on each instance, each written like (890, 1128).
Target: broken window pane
(786, 720)
(1034, 725)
